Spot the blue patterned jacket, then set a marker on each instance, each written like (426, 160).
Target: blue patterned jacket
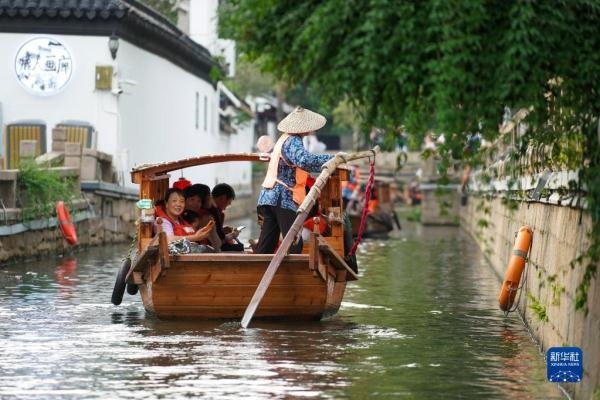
(294, 153)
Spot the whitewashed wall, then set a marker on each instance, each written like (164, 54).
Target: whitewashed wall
(78, 100)
(153, 120)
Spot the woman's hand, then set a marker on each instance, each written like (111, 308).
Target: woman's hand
(203, 232)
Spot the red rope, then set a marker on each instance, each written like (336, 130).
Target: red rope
(365, 210)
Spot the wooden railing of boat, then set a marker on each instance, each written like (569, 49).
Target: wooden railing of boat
(154, 183)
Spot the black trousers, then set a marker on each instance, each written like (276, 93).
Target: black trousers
(276, 221)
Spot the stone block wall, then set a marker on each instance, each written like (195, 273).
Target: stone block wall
(559, 236)
(95, 228)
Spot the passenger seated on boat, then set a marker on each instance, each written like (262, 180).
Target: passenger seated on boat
(191, 218)
(222, 196)
(349, 186)
(373, 203)
(356, 203)
(172, 224)
(198, 200)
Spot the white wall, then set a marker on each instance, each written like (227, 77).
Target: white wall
(152, 121)
(78, 100)
(158, 114)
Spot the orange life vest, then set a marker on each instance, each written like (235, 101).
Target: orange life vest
(180, 227)
(373, 205)
(299, 190)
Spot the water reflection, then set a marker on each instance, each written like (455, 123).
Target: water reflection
(422, 322)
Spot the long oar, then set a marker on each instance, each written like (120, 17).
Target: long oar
(328, 168)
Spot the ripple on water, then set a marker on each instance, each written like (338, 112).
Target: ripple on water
(421, 321)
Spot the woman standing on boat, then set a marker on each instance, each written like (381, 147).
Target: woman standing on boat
(284, 185)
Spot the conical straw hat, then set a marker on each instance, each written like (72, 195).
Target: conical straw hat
(301, 120)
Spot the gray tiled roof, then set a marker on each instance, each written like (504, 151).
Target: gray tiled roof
(88, 9)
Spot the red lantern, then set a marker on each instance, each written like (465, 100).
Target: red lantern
(182, 183)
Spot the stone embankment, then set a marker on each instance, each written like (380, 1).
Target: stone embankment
(102, 211)
(493, 214)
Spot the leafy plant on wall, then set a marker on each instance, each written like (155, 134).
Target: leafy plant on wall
(40, 189)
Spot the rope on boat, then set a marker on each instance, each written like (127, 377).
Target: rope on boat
(365, 210)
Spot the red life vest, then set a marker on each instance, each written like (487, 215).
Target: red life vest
(309, 224)
(180, 227)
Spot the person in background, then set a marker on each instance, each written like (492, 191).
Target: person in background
(199, 200)
(172, 224)
(284, 185)
(191, 218)
(349, 186)
(222, 196)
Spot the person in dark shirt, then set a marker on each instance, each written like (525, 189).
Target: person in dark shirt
(222, 197)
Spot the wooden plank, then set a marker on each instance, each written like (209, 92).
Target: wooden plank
(336, 243)
(138, 173)
(313, 250)
(293, 313)
(225, 279)
(335, 293)
(292, 268)
(163, 251)
(238, 257)
(237, 296)
(146, 256)
(335, 259)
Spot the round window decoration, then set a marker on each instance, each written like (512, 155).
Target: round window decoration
(43, 66)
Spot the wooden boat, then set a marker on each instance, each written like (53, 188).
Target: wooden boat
(382, 220)
(220, 285)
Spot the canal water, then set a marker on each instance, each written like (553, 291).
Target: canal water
(421, 323)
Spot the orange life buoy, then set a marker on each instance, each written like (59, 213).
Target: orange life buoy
(65, 224)
(515, 268)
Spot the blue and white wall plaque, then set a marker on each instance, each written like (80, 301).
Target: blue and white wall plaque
(43, 66)
(564, 364)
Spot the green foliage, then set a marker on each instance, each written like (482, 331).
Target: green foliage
(250, 80)
(446, 65)
(40, 190)
(537, 307)
(414, 215)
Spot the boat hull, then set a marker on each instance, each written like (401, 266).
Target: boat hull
(378, 225)
(220, 286)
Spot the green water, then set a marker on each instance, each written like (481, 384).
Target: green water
(421, 323)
